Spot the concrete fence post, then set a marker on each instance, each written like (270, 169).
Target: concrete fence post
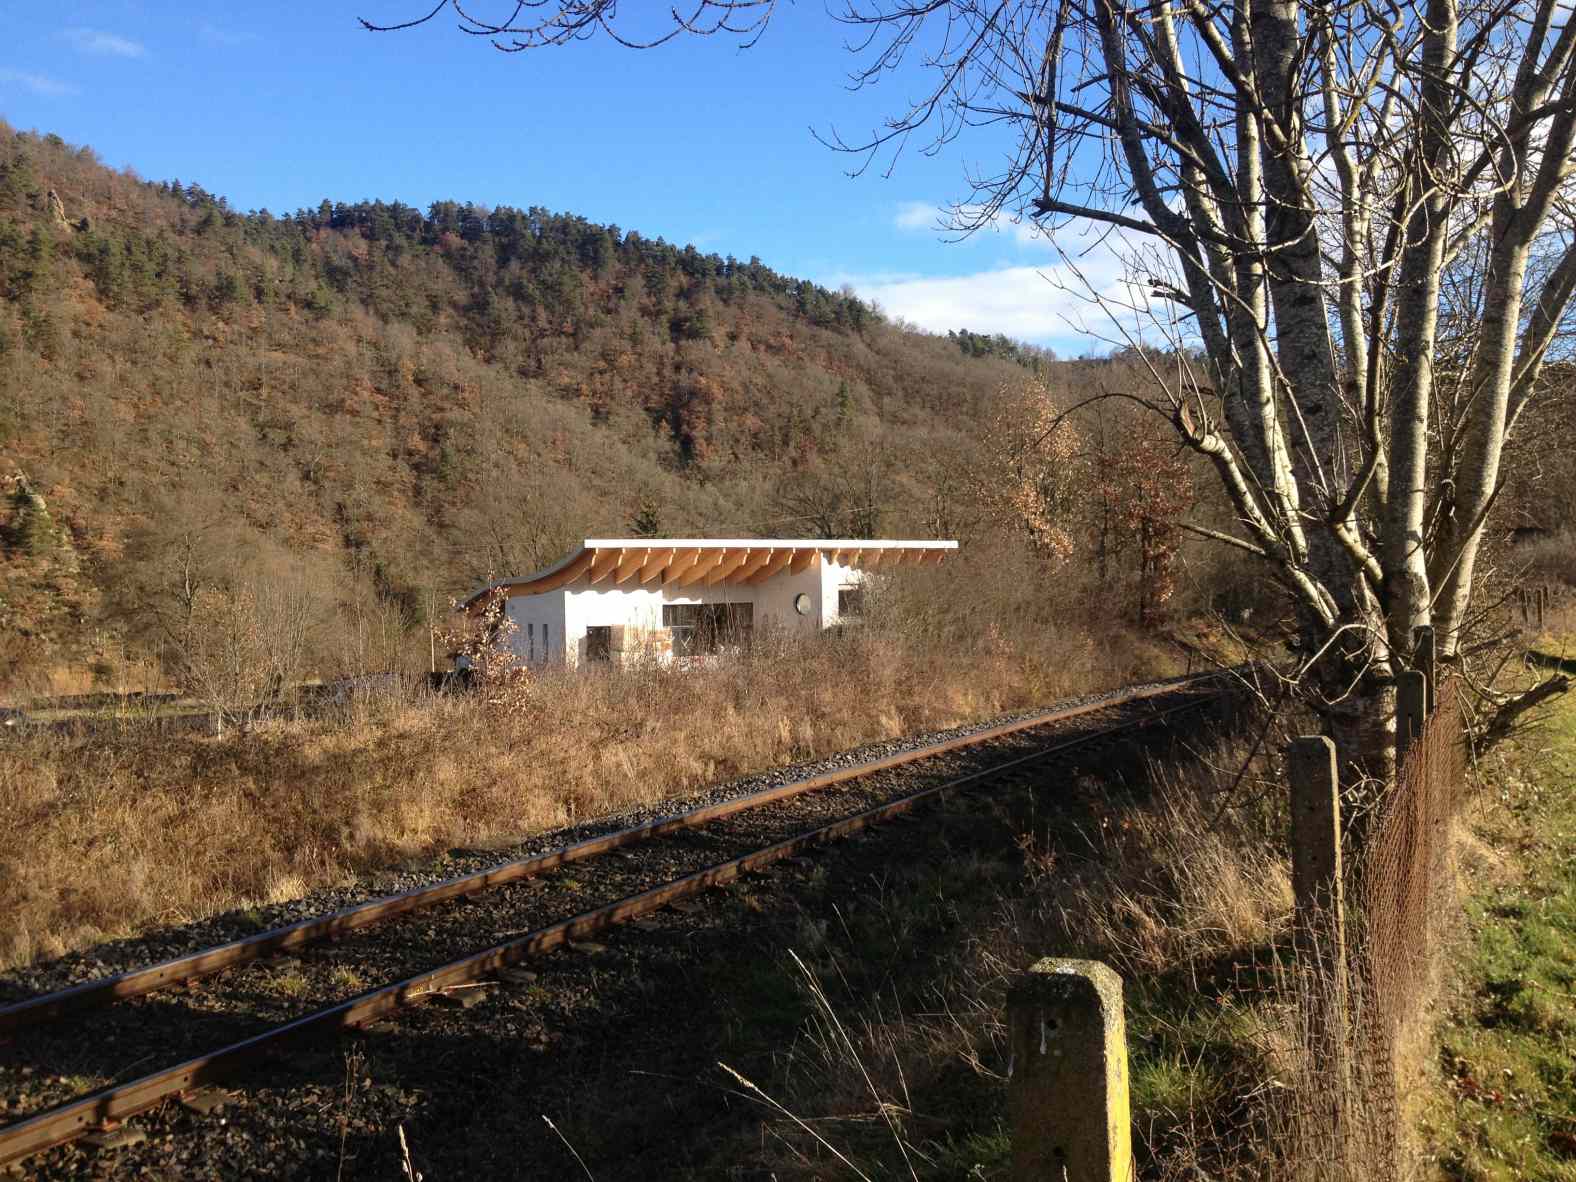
(1319, 917)
(1068, 1095)
(1411, 711)
(1316, 874)
(1427, 661)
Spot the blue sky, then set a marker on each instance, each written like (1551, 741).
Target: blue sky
(281, 105)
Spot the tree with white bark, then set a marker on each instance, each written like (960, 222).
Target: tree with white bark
(1300, 183)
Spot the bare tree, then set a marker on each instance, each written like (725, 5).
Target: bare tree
(845, 498)
(1293, 181)
(248, 642)
(180, 552)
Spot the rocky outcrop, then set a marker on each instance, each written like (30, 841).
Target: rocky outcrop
(57, 210)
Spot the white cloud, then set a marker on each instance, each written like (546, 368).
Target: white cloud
(100, 42)
(38, 84)
(917, 215)
(1067, 305)
(1087, 289)
(924, 217)
(1021, 302)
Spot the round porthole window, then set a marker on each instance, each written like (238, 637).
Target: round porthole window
(801, 603)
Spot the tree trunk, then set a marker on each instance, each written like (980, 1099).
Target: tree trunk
(1363, 730)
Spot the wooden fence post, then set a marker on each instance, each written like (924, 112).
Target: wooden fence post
(1068, 1095)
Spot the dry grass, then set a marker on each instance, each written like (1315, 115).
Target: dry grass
(1164, 887)
(1560, 625)
(1549, 560)
(103, 835)
(1174, 881)
(1189, 901)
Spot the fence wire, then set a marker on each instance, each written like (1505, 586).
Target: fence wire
(1405, 887)
(1363, 1032)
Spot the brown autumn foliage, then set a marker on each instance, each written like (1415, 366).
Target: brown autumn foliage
(193, 391)
(380, 406)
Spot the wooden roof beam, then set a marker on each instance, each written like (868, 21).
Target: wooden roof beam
(655, 565)
(558, 578)
(708, 562)
(759, 560)
(773, 566)
(803, 560)
(605, 564)
(634, 559)
(683, 561)
(729, 565)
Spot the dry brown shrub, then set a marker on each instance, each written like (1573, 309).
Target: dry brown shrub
(111, 830)
(1550, 559)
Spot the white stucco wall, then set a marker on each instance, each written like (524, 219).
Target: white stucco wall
(834, 577)
(539, 618)
(569, 611)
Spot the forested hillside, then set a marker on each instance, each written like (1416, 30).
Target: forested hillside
(307, 431)
(388, 405)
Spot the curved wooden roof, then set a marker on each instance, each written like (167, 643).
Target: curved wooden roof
(685, 562)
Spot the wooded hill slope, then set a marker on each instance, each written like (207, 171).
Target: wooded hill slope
(394, 405)
(334, 420)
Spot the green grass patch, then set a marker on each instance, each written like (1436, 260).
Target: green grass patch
(1507, 1108)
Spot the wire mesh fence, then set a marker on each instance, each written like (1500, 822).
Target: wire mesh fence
(1405, 888)
(1363, 1031)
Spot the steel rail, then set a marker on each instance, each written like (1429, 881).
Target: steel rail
(108, 1106)
(137, 982)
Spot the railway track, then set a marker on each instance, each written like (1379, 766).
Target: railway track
(253, 996)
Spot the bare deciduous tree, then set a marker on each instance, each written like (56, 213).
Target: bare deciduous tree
(248, 642)
(1293, 180)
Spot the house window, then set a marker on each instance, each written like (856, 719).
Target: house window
(705, 627)
(547, 649)
(530, 639)
(599, 643)
(850, 602)
(680, 619)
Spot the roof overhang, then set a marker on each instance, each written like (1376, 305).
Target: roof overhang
(686, 562)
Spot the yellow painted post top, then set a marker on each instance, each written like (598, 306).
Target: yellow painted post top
(1068, 1095)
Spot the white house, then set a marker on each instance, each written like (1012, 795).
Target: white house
(621, 598)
